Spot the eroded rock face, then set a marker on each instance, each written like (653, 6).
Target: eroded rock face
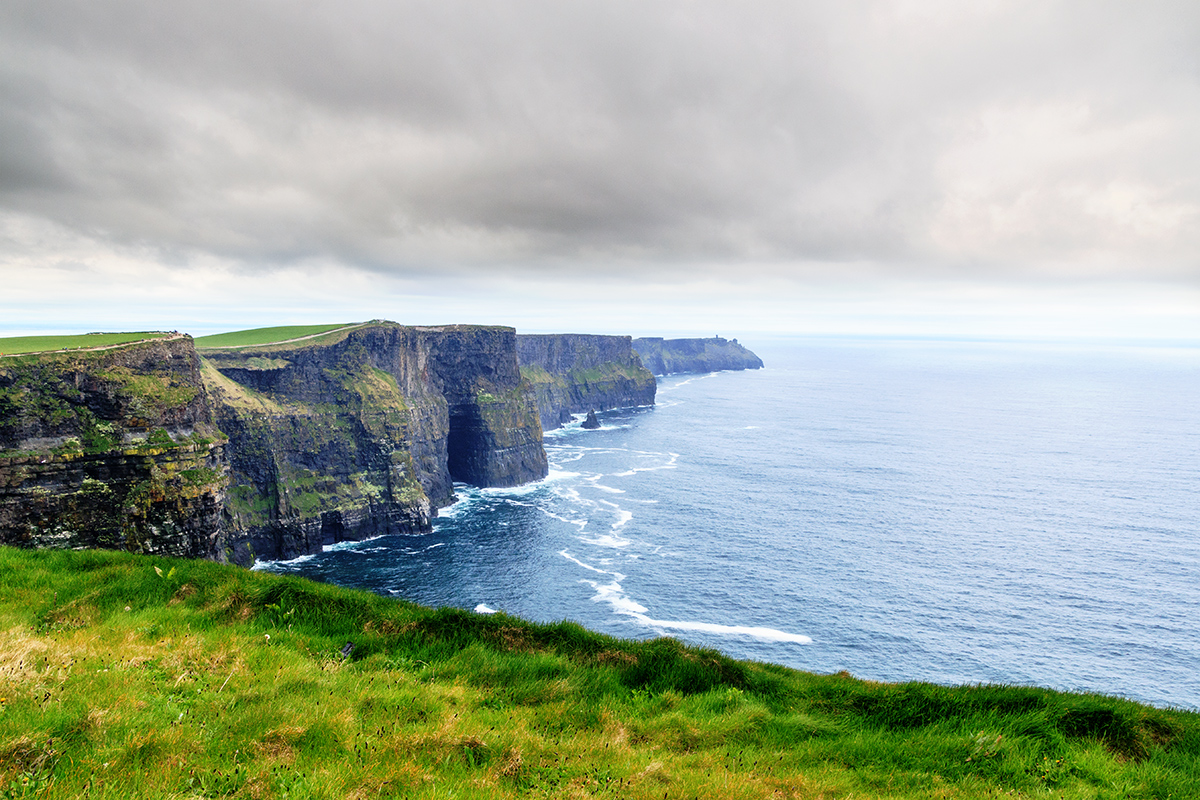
(574, 373)
(364, 435)
(111, 448)
(666, 356)
(266, 452)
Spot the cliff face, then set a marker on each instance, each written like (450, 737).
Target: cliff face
(365, 434)
(263, 452)
(111, 448)
(665, 356)
(576, 373)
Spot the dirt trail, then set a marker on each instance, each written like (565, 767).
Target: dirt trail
(165, 338)
(289, 341)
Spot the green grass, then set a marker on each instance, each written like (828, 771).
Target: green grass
(128, 676)
(36, 344)
(263, 336)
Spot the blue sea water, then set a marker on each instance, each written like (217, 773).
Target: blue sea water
(954, 512)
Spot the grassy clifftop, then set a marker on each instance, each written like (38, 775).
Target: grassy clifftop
(126, 676)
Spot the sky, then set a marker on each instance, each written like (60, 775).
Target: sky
(684, 167)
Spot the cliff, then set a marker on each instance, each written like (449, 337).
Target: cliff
(112, 447)
(264, 451)
(576, 373)
(665, 356)
(363, 432)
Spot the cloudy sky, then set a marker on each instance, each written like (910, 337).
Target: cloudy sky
(913, 166)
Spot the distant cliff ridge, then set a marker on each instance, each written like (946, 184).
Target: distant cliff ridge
(573, 373)
(665, 356)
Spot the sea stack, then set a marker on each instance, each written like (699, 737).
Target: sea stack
(591, 423)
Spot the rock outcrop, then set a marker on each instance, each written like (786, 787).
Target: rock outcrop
(111, 448)
(259, 452)
(363, 433)
(591, 422)
(573, 373)
(665, 356)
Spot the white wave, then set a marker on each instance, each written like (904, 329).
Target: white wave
(623, 518)
(616, 575)
(465, 500)
(750, 428)
(347, 545)
(439, 544)
(672, 458)
(687, 381)
(756, 632)
(261, 565)
(582, 523)
(483, 609)
(606, 540)
(612, 594)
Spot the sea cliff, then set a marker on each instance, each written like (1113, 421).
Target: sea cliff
(112, 447)
(665, 356)
(575, 373)
(363, 433)
(238, 451)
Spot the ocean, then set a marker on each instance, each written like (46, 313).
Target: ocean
(950, 512)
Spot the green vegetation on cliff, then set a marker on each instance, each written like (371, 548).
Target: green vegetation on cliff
(270, 336)
(36, 344)
(126, 676)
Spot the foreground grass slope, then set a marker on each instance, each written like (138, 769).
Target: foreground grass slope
(127, 676)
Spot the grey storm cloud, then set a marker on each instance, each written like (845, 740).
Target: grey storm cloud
(408, 136)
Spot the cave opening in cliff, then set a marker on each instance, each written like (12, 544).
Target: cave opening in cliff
(466, 445)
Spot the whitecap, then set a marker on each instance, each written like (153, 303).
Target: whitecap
(582, 523)
(605, 540)
(346, 545)
(261, 565)
(612, 594)
(483, 609)
(753, 631)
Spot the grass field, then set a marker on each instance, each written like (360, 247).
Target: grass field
(130, 676)
(262, 336)
(34, 344)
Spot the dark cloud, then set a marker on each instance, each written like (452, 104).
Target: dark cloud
(409, 136)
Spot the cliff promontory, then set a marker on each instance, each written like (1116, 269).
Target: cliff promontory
(111, 447)
(362, 432)
(665, 356)
(575, 373)
(258, 450)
